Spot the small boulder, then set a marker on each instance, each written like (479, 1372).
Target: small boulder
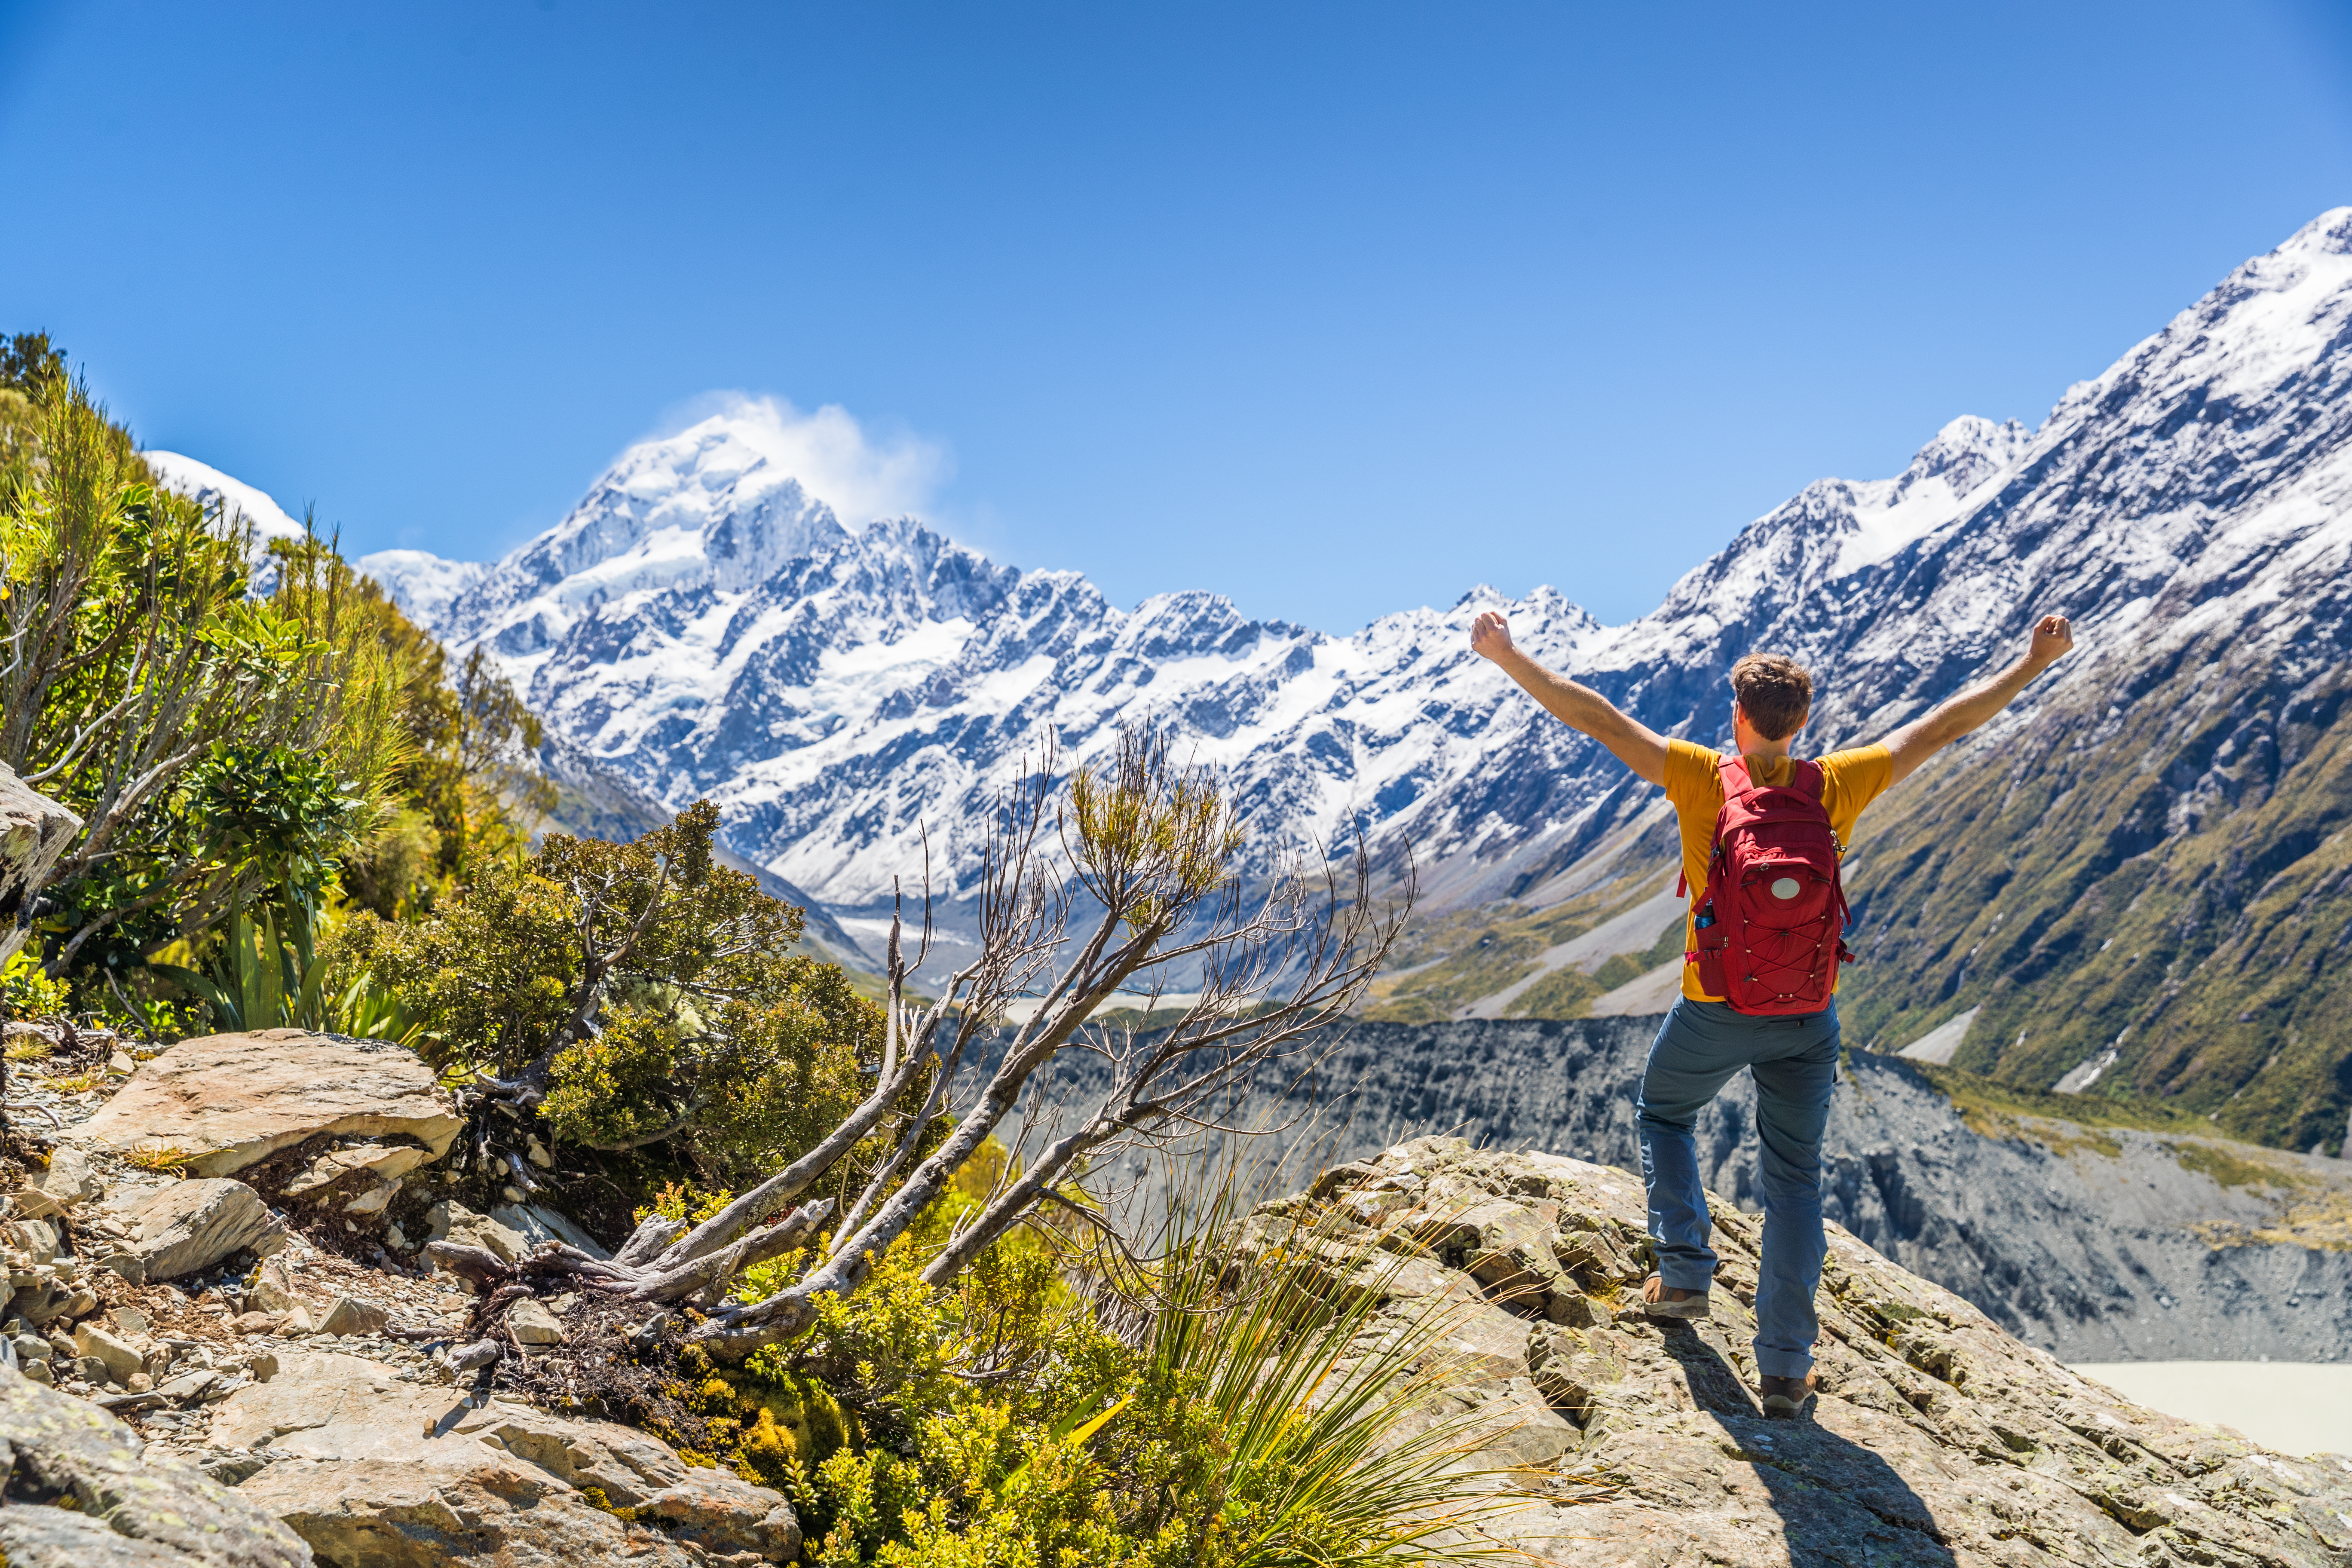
(536, 1223)
(122, 1360)
(35, 1237)
(272, 1289)
(231, 1099)
(386, 1160)
(473, 1357)
(718, 1513)
(34, 832)
(453, 1221)
(374, 1198)
(531, 1323)
(346, 1315)
(192, 1224)
(42, 1301)
(68, 1182)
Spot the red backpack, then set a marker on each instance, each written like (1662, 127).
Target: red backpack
(1772, 923)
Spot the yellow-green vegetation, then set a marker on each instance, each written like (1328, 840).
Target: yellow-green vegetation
(239, 731)
(2230, 1169)
(1986, 1103)
(1237, 1419)
(1449, 961)
(152, 1154)
(771, 1426)
(2172, 881)
(26, 992)
(1000, 1423)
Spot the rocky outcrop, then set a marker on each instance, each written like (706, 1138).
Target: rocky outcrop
(368, 1469)
(228, 1101)
(221, 1377)
(34, 832)
(81, 1494)
(192, 1224)
(1936, 1438)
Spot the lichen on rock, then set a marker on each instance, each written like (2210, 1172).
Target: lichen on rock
(80, 1493)
(1936, 1438)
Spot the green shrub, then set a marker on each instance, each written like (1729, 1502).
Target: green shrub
(26, 991)
(643, 992)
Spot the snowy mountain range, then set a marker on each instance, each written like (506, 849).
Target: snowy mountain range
(704, 625)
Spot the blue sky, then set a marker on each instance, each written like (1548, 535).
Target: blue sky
(1332, 308)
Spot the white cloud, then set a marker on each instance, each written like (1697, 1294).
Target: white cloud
(861, 474)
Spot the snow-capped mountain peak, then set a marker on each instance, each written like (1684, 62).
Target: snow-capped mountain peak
(208, 486)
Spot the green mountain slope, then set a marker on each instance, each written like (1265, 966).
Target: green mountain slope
(2155, 865)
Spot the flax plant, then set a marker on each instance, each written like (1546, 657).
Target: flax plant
(1320, 1389)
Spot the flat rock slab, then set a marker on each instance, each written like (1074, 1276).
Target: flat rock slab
(394, 1475)
(116, 1506)
(192, 1224)
(228, 1101)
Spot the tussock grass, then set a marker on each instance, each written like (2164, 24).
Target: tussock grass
(153, 1154)
(1324, 1392)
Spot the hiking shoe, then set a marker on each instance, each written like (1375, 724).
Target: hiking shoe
(1786, 1396)
(1661, 1300)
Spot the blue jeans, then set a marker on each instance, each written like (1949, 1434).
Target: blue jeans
(1795, 1062)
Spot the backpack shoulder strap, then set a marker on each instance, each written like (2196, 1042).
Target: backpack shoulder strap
(1733, 771)
(1805, 777)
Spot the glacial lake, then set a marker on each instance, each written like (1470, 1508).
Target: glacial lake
(2293, 1407)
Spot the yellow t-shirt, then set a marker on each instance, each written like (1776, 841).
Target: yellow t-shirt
(1849, 781)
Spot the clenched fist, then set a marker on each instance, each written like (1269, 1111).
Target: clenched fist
(1490, 636)
(2053, 638)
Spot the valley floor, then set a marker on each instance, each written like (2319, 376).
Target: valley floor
(2295, 1407)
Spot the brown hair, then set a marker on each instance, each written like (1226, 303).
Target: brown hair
(1774, 691)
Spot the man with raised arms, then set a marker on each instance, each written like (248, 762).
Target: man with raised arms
(1704, 1040)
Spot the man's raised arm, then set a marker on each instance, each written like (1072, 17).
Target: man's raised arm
(1578, 707)
(1914, 744)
